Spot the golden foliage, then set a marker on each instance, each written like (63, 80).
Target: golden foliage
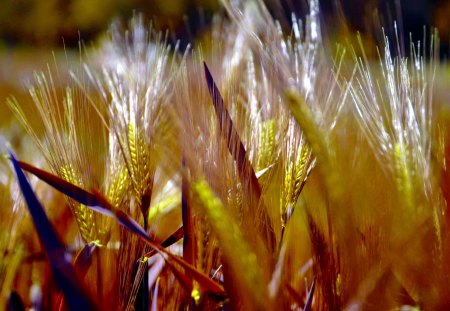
(285, 170)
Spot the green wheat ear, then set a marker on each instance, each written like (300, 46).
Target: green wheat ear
(240, 258)
(294, 180)
(118, 187)
(141, 170)
(403, 178)
(83, 215)
(267, 153)
(318, 142)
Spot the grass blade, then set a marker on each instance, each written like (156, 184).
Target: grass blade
(81, 264)
(83, 259)
(138, 299)
(172, 239)
(64, 273)
(100, 204)
(239, 257)
(93, 200)
(205, 283)
(308, 303)
(245, 168)
(234, 143)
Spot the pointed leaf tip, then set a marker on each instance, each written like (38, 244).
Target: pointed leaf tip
(92, 199)
(209, 78)
(237, 150)
(83, 259)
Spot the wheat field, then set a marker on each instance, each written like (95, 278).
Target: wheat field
(259, 168)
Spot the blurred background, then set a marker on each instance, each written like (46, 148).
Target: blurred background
(46, 22)
(31, 29)
(49, 23)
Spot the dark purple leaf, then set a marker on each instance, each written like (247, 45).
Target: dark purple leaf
(64, 273)
(83, 259)
(15, 303)
(245, 168)
(205, 283)
(98, 203)
(172, 239)
(234, 143)
(93, 200)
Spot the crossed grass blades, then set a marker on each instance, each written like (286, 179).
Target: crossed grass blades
(257, 174)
